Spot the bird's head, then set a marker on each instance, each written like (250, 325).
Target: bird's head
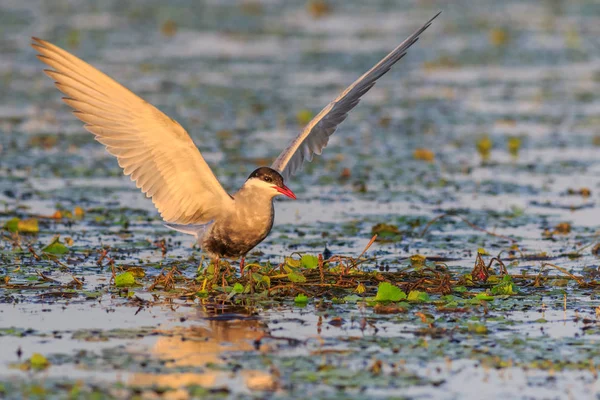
(269, 180)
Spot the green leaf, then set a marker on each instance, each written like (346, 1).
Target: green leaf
(38, 361)
(22, 225)
(460, 289)
(304, 116)
(12, 225)
(505, 287)
(309, 261)
(477, 328)
(266, 280)
(296, 277)
(292, 262)
(386, 232)
(124, 280)
(301, 299)
(238, 288)
(484, 296)
(415, 295)
(56, 247)
(353, 298)
(388, 292)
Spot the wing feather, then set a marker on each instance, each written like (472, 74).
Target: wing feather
(153, 149)
(315, 136)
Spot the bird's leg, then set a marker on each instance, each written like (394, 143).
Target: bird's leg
(242, 265)
(226, 272)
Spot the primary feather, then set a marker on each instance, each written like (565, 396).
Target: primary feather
(316, 134)
(153, 149)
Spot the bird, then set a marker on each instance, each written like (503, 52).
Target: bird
(158, 154)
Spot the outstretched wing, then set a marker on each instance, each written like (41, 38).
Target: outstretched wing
(314, 137)
(153, 149)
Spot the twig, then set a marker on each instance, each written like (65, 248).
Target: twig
(321, 272)
(367, 247)
(46, 278)
(564, 271)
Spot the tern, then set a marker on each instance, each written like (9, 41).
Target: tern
(159, 155)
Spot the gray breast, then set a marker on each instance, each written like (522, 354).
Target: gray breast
(235, 235)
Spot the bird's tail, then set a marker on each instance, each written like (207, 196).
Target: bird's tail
(192, 229)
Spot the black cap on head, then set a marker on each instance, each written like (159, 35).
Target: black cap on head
(268, 175)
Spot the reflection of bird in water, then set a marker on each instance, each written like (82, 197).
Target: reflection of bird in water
(199, 346)
(166, 165)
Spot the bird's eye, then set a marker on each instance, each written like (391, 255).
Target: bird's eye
(268, 179)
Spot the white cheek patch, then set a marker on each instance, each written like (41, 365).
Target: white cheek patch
(262, 185)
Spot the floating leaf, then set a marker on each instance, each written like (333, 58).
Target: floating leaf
(388, 292)
(22, 225)
(238, 288)
(353, 298)
(498, 37)
(304, 116)
(479, 329)
(292, 262)
(424, 155)
(264, 280)
(484, 147)
(309, 261)
(484, 296)
(415, 295)
(388, 309)
(56, 247)
(296, 277)
(505, 287)
(514, 145)
(38, 361)
(137, 272)
(483, 251)
(563, 228)
(360, 288)
(417, 260)
(318, 8)
(125, 279)
(301, 299)
(169, 28)
(78, 212)
(386, 232)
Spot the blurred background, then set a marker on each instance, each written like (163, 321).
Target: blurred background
(493, 98)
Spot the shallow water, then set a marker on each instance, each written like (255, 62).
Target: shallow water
(238, 75)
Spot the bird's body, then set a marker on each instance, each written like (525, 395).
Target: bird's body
(242, 228)
(159, 155)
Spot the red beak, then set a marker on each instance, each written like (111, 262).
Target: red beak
(286, 191)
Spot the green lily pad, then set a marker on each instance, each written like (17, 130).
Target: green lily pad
(38, 361)
(415, 295)
(301, 299)
(56, 247)
(125, 279)
(388, 292)
(296, 277)
(22, 225)
(309, 261)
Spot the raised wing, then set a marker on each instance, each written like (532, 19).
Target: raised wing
(153, 149)
(314, 137)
